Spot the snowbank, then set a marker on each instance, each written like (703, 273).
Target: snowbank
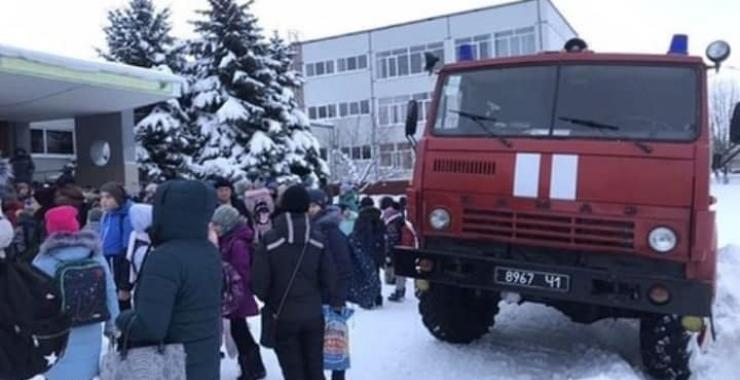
(722, 361)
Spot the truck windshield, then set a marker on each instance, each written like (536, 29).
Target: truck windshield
(579, 101)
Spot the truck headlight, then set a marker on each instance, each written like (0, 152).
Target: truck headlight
(439, 219)
(662, 239)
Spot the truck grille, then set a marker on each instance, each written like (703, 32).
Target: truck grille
(575, 231)
(454, 166)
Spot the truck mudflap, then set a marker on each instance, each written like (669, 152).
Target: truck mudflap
(591, 286)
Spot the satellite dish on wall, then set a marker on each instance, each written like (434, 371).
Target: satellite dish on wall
(100, 153)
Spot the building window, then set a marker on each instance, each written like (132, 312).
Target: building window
(346, 151)
(392, 111)
(354, 63)
(333, 111)
(38, 146)
(320, 68)
(310, 70)
(386, 155)
(324, 153)
(367, 152)
(481, 46)
(407, 61)
(515, 42)
(52, 142)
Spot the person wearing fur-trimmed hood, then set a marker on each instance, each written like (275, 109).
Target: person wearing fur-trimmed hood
(66, 243)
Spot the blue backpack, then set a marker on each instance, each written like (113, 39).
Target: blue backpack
(82, 285)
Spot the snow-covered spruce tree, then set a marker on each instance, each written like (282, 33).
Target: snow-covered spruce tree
(140, 35)
(302, 147)
(240, 106)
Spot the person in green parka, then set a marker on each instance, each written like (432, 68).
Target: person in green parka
(178, 294)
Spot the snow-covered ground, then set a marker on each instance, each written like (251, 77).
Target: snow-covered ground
(535, 342)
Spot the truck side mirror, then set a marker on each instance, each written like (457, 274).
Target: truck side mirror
(412, 118)
(734, 125)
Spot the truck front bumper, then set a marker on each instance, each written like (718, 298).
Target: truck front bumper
(589, 286)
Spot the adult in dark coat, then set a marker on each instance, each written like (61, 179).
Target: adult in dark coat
(326, 219)
(235, 240)
(23, 166)
(368, 238)
(300, 327)
(178, 297)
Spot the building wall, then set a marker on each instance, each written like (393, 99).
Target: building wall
(512, 29)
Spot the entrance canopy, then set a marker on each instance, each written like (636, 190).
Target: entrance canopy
(38, 86)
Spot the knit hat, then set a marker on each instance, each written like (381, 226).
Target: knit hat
(295, 199)
(318, 197)
(367, 202)
(386, 202)
(116, 191)
(62, 219)
(226, 217)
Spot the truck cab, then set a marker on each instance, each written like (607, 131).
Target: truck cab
(575, 179)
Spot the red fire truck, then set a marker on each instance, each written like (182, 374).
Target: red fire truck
(575, 179)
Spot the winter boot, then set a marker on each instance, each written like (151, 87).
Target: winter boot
(252, 366)
(397, 296)
(379, 301)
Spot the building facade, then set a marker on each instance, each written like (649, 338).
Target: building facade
(357, 85)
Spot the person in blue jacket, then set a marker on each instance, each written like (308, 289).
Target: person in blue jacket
(115, 229)
(66, 243)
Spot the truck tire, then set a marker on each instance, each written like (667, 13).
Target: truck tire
(664, 345)
(456, 315)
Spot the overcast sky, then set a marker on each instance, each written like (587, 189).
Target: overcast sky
(73, 27)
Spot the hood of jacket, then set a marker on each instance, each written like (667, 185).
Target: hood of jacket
(141, 217)
(241, 231)
(329, 216)
(122, 210)
(182, 211)
(85, 238)
(369, 213)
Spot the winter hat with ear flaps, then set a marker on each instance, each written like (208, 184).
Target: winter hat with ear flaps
(226, 217)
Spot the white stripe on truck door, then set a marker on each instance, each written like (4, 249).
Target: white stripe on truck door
(564, 178)
(527, 174)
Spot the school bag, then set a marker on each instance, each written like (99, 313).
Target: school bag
(233, 292)
(83, 288)
(33, 328)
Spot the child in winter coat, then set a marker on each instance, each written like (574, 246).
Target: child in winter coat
(139, 243)
(65, 244)
(394, 225)
(235, 239)
(115, 229)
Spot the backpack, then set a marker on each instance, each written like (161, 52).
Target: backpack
(233, 291)
(83, 288)
(33, 328)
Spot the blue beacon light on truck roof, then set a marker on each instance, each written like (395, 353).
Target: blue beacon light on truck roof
(679, 44)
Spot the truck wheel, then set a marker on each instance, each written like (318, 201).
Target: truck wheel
(664, 345)
(456, 315)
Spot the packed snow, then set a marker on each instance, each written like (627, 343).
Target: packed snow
(534, 342)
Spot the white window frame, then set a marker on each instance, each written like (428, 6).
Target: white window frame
(514, 38)
(388, 62)
(476, 42)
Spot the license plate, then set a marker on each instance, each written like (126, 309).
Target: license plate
(532, 279)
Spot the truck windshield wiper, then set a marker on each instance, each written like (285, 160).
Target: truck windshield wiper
(479, 120)
(589, 123)
(604, 126)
